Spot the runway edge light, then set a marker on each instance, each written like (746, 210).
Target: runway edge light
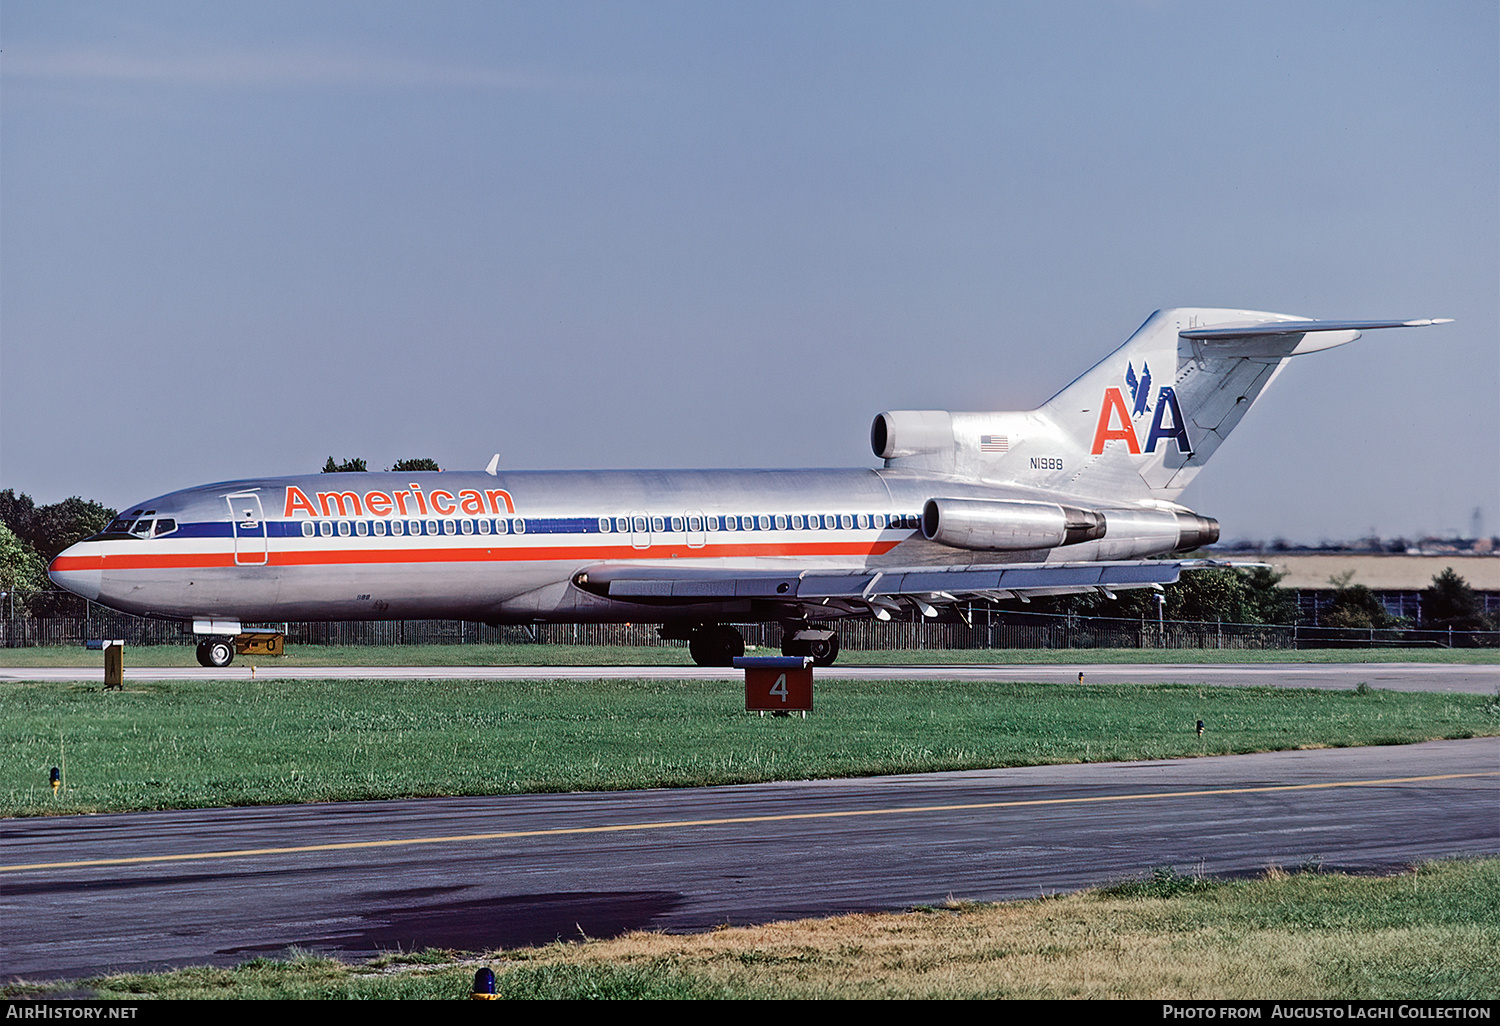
(484, 986)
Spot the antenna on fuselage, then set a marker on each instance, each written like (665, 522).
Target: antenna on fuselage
(493, 465)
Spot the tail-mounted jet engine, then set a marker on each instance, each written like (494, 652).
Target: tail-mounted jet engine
(1015, 525)
(1008, 525)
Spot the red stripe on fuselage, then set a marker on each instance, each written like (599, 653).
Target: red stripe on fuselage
(517, 554)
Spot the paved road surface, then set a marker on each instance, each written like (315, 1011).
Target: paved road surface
(224, 885)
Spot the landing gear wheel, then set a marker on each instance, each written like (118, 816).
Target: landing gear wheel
(824, 652)
(215, 652)
(715, 646)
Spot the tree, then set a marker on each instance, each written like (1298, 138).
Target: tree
(50, 529)
(1354, 605)
(1268, 601)
(1208, 595)
(22, 572)
(406, 466)
(1450, 604)
(355, 465)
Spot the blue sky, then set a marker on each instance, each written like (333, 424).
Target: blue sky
(237, 238)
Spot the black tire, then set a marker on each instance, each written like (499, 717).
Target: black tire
(203, 654)
(699, 648)
(731, 645)
(824, 652)
(219, 652)
(715, 646)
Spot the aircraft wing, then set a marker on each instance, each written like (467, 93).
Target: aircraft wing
(874, 591)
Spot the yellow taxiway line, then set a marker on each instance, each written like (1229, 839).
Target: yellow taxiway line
(732, 821)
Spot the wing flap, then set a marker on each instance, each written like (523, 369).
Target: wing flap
(654, 583)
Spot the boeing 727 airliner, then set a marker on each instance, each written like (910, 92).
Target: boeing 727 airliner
(1067, 498)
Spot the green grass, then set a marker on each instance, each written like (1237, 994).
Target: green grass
(213, 743)
(1430, 933)
(677, 655)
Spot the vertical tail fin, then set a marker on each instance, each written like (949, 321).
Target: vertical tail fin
(1146, 419)
(1137, 426)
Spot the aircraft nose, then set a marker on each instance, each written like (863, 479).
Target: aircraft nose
(78, 571)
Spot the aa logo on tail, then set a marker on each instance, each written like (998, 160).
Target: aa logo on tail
(1116, 419)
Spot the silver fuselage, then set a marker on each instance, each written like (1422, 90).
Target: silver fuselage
(506, 548)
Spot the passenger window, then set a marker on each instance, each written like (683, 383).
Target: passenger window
(731, 523)
(398, 526)
(433, 527)
(638, 524)
(344, 529)
(501, 525)
(468, 526)
(484, 527)
(676, 524)
(308, 530)
(846, 521)
(747, 523)
(658, 525)
(712, 522)
(695, 524)
(379, 527)
(864, 521)
(361, 528)
(622, 524)
(520, 526)
(325, 528)
(780, 522)
(796, 521)
(604, 525)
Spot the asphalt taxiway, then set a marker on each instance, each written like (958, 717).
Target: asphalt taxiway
(88, 894)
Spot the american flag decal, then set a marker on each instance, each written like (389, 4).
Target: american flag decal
(994, 443)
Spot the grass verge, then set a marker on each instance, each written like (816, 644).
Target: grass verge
(205, 743)
(1426, 934)
(677, 655)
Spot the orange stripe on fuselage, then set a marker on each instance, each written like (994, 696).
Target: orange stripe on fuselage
(474, 554)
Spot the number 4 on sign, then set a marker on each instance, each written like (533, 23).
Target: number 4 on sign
(779, 688)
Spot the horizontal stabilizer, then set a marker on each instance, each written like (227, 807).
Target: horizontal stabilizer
(1303, 327)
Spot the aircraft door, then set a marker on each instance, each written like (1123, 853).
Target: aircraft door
(640, 529)
(251, 547)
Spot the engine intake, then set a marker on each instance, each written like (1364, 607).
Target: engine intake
(899, 433)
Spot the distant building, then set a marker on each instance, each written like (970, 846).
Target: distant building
(1397, 579)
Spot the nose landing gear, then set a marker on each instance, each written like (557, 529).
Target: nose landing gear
(215, 652)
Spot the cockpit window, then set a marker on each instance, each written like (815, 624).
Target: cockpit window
(165, 525)
(142, 528)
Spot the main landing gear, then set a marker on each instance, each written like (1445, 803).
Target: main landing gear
(822, 645)
(719, 644)
(216, 652)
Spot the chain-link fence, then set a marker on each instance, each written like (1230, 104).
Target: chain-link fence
(985, 629)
